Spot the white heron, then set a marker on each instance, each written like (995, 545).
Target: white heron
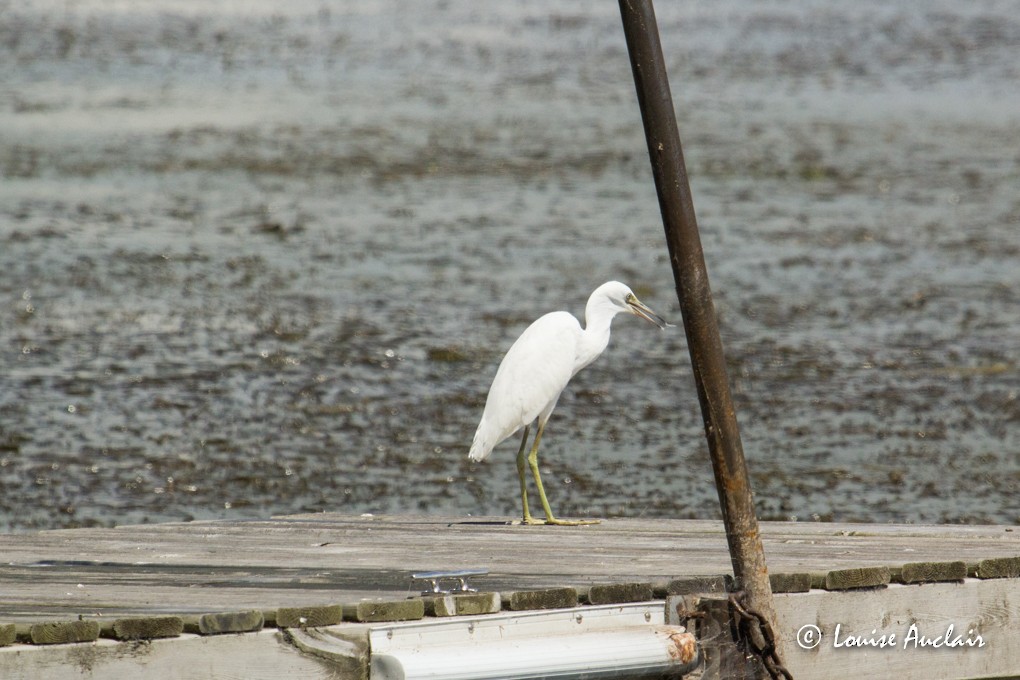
(534, 372)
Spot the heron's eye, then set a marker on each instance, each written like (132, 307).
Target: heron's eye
(630, 299)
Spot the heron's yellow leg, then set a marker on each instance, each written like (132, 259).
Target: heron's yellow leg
(528, 519)
(533, 462)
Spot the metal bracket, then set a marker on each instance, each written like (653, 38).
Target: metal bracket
(435, 578)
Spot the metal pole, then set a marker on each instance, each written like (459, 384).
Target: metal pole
(689, 272)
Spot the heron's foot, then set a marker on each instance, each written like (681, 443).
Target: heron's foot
(569, 522)
(528, 519)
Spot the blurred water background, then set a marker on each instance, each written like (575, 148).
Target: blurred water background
(261, 258)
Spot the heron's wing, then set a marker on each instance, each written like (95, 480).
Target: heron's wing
(529, 379)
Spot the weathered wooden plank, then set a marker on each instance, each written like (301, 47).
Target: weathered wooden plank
(698, 584)
(371, 611)
(144, 628)
(124, 591)
(909, 613)
(463, 604)
(932, 572)
(308, 617)
(548, 598)
(8, 633)
(63, 632)
(999, 567)
(790, 583)
(624, 547)
(197, 567)
(619, 593)
(225, 622)
(848, 579)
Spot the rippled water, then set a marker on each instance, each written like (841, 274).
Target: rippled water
(263, 258)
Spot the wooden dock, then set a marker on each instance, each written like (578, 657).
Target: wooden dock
(156, 600)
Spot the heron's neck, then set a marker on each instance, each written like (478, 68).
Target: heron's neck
(595, 337)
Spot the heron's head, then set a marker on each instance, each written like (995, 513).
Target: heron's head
(622, 298)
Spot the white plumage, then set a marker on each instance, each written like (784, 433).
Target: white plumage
(535, 370)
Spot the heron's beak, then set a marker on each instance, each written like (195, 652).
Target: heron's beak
(638, 308)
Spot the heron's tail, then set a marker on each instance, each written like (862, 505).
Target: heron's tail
(480, 449)
(483, 443)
